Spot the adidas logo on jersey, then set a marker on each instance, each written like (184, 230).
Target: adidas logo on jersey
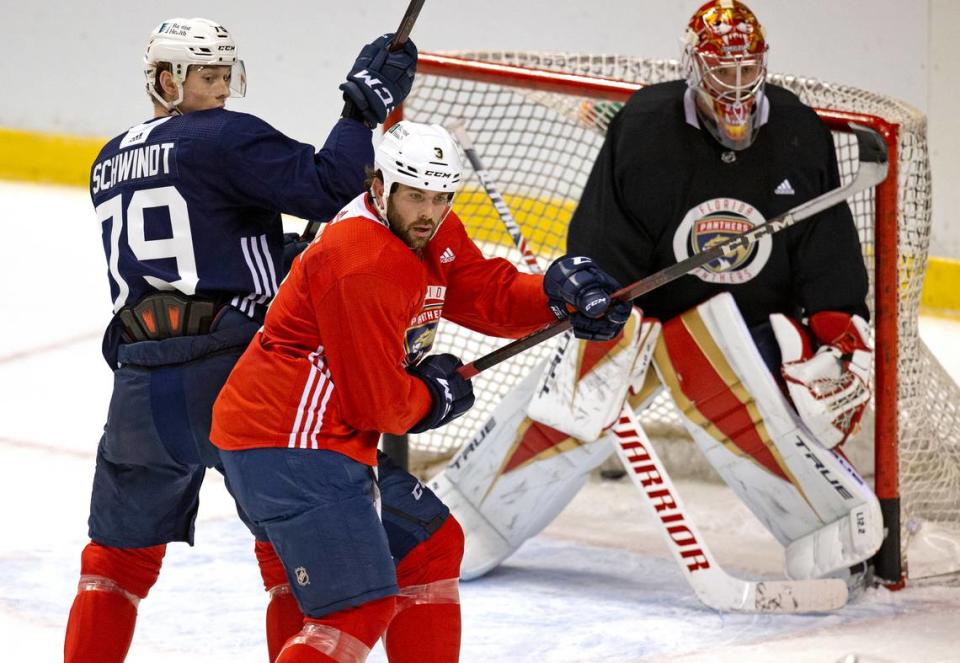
(784, 189)
(447, 256)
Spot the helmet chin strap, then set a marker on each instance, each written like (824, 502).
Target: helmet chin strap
(169, 106)
(380, 204)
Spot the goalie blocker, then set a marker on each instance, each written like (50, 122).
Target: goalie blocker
(807, 495)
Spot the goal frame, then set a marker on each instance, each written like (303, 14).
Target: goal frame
(889, 566)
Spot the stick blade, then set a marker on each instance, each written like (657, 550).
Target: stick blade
(872, 155)
(802, 596)
(727, 593)
(871, 145)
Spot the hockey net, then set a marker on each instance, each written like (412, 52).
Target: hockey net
(538, 133)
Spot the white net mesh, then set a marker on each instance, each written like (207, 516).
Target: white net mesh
(539, 148)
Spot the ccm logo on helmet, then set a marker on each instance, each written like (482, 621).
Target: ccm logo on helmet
(435, 173)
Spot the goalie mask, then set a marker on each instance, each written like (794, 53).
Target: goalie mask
(422, 156)
(186, 42)
(725, 57)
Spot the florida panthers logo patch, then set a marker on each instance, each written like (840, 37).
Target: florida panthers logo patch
(713, 222)
(419, 336)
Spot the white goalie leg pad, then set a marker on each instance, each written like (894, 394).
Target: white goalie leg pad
(512, 479)
(842, 543)
(585, 384)
(809, 497)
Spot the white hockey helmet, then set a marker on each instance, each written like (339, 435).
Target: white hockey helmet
(183, 42)
(423, 156)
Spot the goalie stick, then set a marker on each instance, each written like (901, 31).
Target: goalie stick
(713, 586)
(399, 39)
(872, 170)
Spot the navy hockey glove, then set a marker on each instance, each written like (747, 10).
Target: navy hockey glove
(379, 80)
(452, 395)
(578, 282)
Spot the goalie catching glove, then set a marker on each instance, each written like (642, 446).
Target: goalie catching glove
(577, 282)
(451, 395)
(831, 387)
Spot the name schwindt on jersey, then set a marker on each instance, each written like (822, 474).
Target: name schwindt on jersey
(714, 222)
(138, 163)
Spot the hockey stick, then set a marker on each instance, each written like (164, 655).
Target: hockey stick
(459, 130)
(406, 24)
(712, 585)
(871, 171)
(400, 38)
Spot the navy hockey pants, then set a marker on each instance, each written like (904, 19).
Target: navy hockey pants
(318, 509)
(155, 448)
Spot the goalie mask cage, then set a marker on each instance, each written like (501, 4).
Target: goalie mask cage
(537, 121)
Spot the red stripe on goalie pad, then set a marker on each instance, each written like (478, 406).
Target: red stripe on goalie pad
(537, 440)
(696, 364)
(594, 353)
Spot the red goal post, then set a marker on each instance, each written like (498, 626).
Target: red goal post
(493, 90)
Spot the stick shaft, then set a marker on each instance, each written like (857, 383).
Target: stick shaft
(513, 228)
(401, 36)
(406, 24)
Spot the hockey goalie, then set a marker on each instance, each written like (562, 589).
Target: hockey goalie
(767, 355)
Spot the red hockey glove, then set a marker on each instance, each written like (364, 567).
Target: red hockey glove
(830, 388)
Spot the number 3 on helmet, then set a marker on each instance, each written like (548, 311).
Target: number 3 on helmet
(725, 56)
(186, 42)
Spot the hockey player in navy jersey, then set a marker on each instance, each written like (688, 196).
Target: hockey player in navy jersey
(189, 204)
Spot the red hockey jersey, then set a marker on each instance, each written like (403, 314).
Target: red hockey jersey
(327, 371)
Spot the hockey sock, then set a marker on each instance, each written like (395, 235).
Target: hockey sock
(429, 601)
(340, 637)
(284, 619)
(104, 612)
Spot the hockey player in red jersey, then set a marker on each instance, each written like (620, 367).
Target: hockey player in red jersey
(342, 357)
(767, 354)
(195, 248)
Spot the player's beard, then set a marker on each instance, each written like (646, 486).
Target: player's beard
(414, 234)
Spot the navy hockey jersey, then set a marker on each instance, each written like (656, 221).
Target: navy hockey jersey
(192, 203)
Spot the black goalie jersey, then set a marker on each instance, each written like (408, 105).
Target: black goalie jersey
(662, 189)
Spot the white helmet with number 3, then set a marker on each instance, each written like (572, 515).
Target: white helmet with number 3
(423, 156)
(185, 42)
